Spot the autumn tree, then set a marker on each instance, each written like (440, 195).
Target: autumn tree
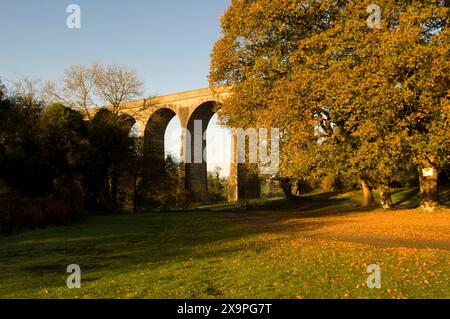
(109, 136)
(349, 97)
(422, 73)
(216, 185)
(390, 103)
(259, 54)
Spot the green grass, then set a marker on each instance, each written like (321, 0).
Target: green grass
(207, 254)
(402, 198)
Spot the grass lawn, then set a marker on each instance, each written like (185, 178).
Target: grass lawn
(319, 247)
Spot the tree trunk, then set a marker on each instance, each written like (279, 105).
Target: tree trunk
(114, 188)
(429, 184)
(368, 200)
(385, 197)
(135, 194)
(286, 186)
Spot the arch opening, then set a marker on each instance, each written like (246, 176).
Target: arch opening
(172, 139)
(218, 160)
(218, 147)
(130, 124)
(154, 146)
(134, 130)
(194, 152)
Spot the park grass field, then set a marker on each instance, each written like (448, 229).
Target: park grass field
(318, 247)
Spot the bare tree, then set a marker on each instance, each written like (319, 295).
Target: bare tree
(78, 88)
(83, 88)
(29, 91)
(118, 84)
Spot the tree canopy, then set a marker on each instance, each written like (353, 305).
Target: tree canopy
(353, 99)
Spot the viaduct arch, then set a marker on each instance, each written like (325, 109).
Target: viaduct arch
(154, 114)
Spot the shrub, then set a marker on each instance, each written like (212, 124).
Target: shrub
(56, 211)
(18, 213)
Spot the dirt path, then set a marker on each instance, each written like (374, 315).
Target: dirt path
(386, 229)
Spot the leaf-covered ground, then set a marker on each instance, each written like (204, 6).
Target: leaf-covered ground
(317, 248)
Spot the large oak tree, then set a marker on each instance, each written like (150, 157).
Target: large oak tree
(350, 98)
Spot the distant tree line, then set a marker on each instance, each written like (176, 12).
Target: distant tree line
(59, 161)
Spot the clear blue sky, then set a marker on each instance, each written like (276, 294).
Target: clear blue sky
(168, 42)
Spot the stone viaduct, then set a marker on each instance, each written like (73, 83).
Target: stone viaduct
(154, 114)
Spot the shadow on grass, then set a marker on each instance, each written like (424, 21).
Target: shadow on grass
(406, 198)
(117, 244)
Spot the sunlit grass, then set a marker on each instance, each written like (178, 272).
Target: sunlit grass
(311, 250)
